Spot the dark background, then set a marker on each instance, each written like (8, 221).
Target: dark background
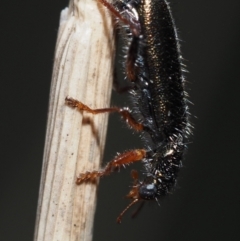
(205, 204)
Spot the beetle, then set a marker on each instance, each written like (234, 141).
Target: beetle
(160, 105)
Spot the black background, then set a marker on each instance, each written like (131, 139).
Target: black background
(205, 205)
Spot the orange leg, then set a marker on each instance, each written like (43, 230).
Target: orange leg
(121, 160)
(131, 19)
(117, 13)
(133, 194)
(124, 112)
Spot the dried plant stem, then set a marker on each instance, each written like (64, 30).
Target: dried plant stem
(83, 68)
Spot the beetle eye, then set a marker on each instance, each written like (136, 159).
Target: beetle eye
(147, 191)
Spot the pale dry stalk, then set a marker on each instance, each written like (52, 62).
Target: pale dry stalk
(83, 68)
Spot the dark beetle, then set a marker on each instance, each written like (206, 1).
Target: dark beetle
(160, 110)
